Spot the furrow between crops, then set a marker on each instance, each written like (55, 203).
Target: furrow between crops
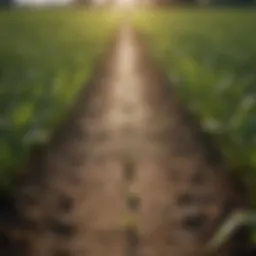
(128, 174)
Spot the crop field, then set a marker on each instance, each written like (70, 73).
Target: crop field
(45, 58)
(210, 55)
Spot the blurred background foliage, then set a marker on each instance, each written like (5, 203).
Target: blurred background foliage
(45, 58)
(210, 55)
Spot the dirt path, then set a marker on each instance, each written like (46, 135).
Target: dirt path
(128, 175)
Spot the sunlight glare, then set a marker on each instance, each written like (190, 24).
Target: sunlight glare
(125, 2)
(116, 3)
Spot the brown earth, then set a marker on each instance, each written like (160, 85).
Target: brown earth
(129, 174)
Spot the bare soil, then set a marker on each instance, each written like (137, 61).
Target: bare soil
(128, 174)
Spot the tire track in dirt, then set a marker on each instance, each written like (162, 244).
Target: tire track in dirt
(128, 174)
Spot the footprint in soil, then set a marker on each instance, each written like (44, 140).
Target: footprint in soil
(61, 228)
(65, 204)
(133, 202)
(198, 178)
(194, 222)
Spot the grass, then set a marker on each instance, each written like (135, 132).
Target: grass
(45, 58)
(211, 57)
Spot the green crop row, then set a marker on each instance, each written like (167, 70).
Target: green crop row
(45, 58)
(210, 55)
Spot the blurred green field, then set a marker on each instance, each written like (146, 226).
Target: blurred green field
(211, 57)
(45, 58)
